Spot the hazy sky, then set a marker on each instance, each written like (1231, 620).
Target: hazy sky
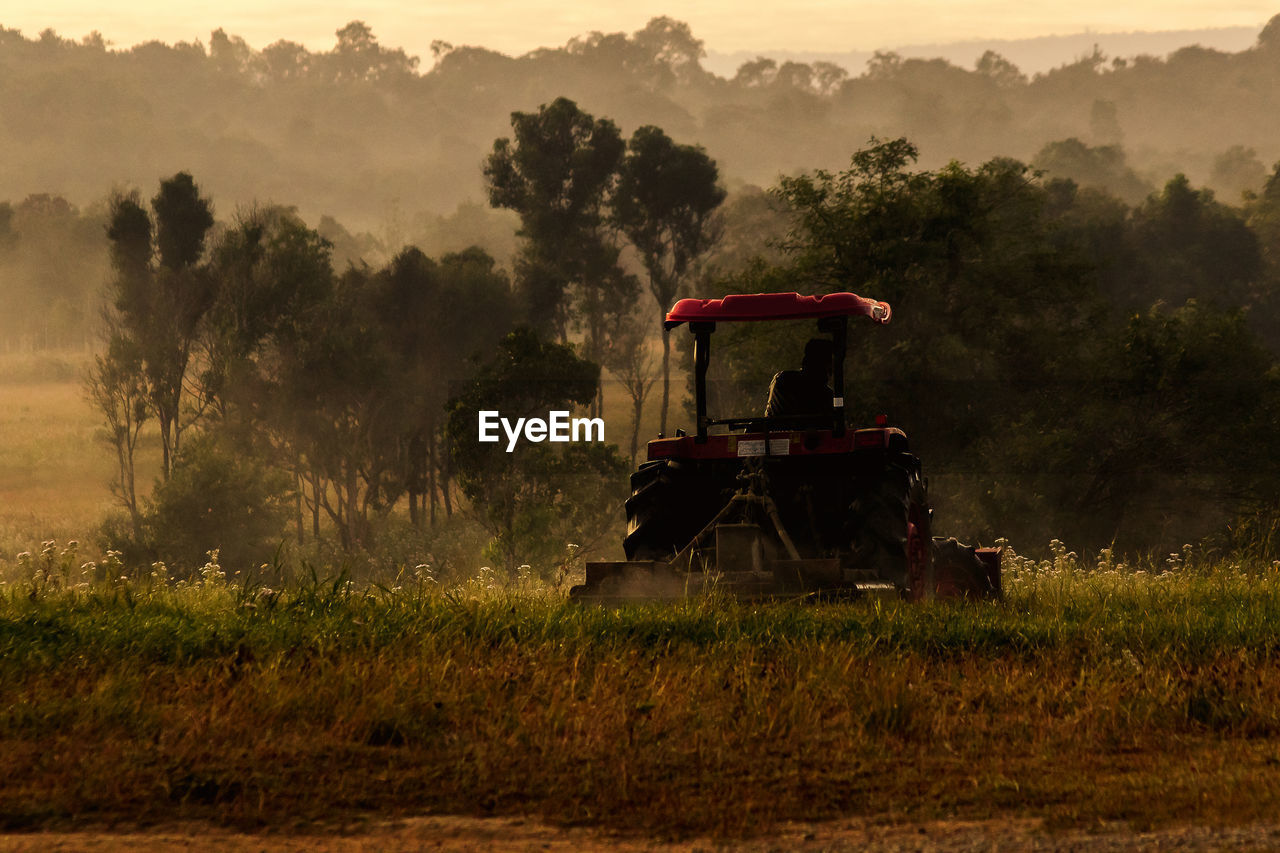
(516, 26)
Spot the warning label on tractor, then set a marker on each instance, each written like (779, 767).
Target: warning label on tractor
(777, 447)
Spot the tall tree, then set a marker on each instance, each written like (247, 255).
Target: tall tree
(436, 317)
(159, 306)
(664, 203)
(358, 57)
(558, 174)
(274, 276)
(272, 272)
(330, 397)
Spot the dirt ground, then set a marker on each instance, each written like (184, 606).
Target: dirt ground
(514, 834)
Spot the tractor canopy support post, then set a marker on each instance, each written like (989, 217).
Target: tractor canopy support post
(838, 328)
(701, 358)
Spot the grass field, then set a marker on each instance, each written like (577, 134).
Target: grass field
(55, 473)
(1089, 695)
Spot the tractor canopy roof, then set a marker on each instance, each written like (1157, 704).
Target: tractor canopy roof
(775, 306)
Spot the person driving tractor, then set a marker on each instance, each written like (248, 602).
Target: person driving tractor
(807, 391)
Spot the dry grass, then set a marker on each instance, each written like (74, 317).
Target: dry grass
(1088, 696)
(54, 471)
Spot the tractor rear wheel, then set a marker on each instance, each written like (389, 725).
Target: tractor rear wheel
(671, 502)
(888, 526)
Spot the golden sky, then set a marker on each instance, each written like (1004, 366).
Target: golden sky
(516, 26)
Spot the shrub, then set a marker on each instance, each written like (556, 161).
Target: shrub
(217, 497)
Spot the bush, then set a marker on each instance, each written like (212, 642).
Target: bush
(217, 497)
(135, 547)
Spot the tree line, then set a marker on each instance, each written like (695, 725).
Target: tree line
(269, 375)
(1067, 363)
(379, 150)
(362, 127)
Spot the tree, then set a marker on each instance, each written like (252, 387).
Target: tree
(1263, 212)
(183, 219)
(664, 203)
(329, 397)
(756, 73)
(1237, 171)
(558, 175)
(230, 54)
(115, 387)
(1000, 70)
(358, 57)
(1191, 246)
(1104, 123)
(795, 75)
(131, 252)
(272, 273)
(8, 237)
(828, 77)
(1269, 37)
(1102, 167)
(671, 45)
(1140, 451)
(629, 359)
(52, 258)
(284, 61)
(436, 317)
(160, 306)
(347, 377)
(221, 497)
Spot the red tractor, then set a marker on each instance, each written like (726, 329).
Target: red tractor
(791, 504)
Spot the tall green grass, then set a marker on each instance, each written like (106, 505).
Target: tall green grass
(1093, 691)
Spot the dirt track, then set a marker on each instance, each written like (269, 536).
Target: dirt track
(513, 834)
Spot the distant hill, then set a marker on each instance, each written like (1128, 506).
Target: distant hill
(1032, 56)
(364, 134)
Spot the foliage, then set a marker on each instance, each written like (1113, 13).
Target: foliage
(1099, 167)
(1139, 453)
(434, 319)
(51, 260)
(342, 378)
(159, 296)
(1191, 246)
(1012, 364)
(343, 128)
(221, 497)
(557, 173)
(664, 202)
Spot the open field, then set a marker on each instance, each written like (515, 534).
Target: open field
(1089, 697)
(55, 473)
